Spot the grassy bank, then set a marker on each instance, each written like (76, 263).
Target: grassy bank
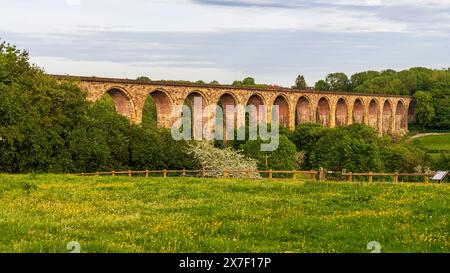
(104, 214)
(436, 144)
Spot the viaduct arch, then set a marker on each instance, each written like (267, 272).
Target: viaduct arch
(388, 114)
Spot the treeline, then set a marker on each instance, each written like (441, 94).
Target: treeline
(357, 148)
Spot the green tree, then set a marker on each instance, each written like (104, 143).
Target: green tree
(360, 78)
(353, 148)
(144, 78)
(322, 86)
(338, 82)
(286, 157)
(424, 108)
(237, 83)
(249, 81)
(300, 83)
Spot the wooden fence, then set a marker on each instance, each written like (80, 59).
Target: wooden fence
(349, 175)
(226, 173)
(317, 175)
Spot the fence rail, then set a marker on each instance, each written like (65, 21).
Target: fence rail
(396, 175)
(313, 174)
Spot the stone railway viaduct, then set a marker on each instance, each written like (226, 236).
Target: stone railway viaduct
(389, 114)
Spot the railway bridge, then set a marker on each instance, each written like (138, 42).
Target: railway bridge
(388, 114)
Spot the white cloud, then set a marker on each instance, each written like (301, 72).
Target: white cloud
(73, 2)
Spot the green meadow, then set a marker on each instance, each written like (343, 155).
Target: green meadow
(435, 144)
(43, 213)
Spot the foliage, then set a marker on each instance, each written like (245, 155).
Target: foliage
(300, 83)
(149, 113)
(404, 158)
(248, 81)
(424, 108)
(338, 82)
(338, 149)
(144, 78)
(47, 126)
(356, 148)
(442, 162)
(322, 86)
(286, 157)
(237, 83)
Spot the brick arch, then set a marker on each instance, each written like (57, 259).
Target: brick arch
(400, 116)
(284, 109)
(303, 111)
(358, 111)
(123, 101)
(256, 114)
(387, 117)
(323, 115)
(229, 120)
(373, 110)
(341, 115)
(164, 106)
(196, 100)
(412, 112)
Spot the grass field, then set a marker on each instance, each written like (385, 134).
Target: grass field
(42, 213)
(439, 142)
(435, 144)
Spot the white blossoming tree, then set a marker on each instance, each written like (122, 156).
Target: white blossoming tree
(214, 161)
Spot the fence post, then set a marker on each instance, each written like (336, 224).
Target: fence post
(129, 173)
(427, 179)
(270, 174)
(321, 174)
(113, 173)
(165, 173)
(184, 172)
(82, 174)
(370, 177)
(146, 173)
(294, 175)
(203, 172)
(396, 177)
(350, 177)
(225, 172)
(97, 174)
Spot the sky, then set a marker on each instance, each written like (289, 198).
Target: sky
(225, 40)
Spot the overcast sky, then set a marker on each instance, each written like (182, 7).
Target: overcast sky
(272, 41)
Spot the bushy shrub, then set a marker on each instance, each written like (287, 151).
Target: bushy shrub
(286, 157)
